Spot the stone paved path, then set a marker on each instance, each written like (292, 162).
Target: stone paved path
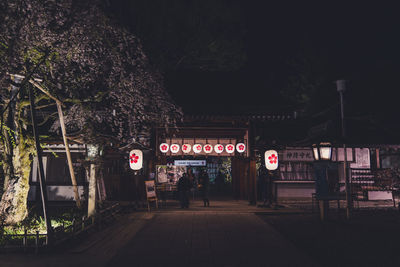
(208, 239)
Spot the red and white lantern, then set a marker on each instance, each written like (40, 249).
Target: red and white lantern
(174, 148)
(208, 148)
(218, 148)
(240, 147)
(136, 159)
(230, 148)
(271, 159)
(197, 148)
(186, 148)
(164, 147)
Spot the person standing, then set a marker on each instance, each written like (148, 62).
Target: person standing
(183, 191)
(205, 187)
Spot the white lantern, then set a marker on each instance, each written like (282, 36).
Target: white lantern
(186, 148)
(322, 151)
(174, 148)
(208, 148)
(164, 147)
(230, 148)
(271, 159)
(218, 148)
(136, 159)
(197, 148)
(240, 147)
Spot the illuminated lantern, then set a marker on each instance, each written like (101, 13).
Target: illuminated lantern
(230, 148)
(186, 148)
(322, 151)
(271, 160)
(208, 148)
(197, 148)
(164, 147)
(136, 159)
(174, 148)
(240, 147)
(218, 148)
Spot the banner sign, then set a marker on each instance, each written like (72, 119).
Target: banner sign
(297, 155)
(189, 162)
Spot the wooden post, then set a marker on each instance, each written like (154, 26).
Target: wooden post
(92, 191)
(71, 168)
(42, 181)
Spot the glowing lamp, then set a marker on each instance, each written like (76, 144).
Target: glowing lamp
(164, 147)
(186, 148)
(271, 160)
(240, 147)
(218, 148)
(136, 159)
(322, 151)
(197, 148)
(230, 148)
(208, 148)
(174, 148)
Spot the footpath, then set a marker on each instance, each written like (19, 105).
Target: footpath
(228, 233)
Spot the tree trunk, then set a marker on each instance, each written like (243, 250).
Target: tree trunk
(13, 204)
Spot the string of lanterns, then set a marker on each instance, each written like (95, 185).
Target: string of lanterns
(207, 148)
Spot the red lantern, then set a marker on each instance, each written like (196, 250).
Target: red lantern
(197, 148)
(174, 148)
(164, 147)
(230, 148)
(219, 148)
(186, 148)
(240, 147)
(208, 148)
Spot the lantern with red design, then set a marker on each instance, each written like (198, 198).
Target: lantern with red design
(230, 148)
(240, 147)
(136, 159)
(164, 147)
(197, 148)
(186, 148)
(174, 148)
(208, 148)
(218, 148)
(271, 159)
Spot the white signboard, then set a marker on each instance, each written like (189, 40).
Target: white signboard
(271, 159)
(363, 160)
(136, 159)
(189, 162)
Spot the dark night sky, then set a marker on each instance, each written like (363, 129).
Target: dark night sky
(356, 42)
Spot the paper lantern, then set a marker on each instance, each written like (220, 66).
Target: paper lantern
(174, 148)
(186, 148)
(136, 159)
(197, 148)
(271, 160)
(208, 148)
(240, 147)
(164, 147)
(230, 148)
(219, 148)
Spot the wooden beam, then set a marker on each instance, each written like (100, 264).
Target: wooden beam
(45, 92)
(69, 158)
